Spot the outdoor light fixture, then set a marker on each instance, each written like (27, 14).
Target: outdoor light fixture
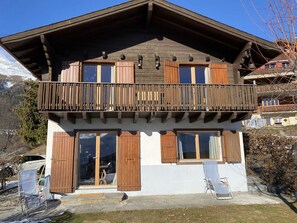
(157, 61)
(104, 55)
(191, 58)
(207, 58)
(174, 58)
(123, 57)
(140, 60)
(251, 65)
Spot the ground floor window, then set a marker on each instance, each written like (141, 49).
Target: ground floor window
(97, 158)
(199, 145)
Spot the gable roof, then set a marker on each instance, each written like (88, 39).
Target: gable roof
(28, 47)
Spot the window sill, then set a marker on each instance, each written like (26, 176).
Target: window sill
(190, 162)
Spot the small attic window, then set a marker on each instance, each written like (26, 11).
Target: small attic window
(270, 66)
(285, 65)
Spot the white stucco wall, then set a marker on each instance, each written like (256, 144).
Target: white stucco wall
(158, 178)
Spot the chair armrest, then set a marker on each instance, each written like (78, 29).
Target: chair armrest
(224, 180)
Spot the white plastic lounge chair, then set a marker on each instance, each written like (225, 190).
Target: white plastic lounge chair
(218, 186)
(31, 198)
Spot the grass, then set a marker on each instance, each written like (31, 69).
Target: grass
(226, 214)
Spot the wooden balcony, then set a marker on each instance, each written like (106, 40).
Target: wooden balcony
(278, 108)
(277, 89)
(180, 101)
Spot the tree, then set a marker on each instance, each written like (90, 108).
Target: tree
(33, 126)
(277, 19)
(9, 99)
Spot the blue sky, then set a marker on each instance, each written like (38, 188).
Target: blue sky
(20, 15)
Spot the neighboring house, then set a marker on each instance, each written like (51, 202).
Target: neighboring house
(277, 93)
(139, 95)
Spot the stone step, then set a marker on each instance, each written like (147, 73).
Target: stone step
(93, 198)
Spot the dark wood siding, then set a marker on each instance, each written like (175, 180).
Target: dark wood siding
(62, 163)
(168, 147)
(231, 148)
(147, 43)
(129, 161)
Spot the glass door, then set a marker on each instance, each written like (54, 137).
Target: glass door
(97, 158)
(87, 157)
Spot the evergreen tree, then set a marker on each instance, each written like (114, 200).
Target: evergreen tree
(32, 124)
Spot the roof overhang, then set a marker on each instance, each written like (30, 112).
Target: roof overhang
(32, 48)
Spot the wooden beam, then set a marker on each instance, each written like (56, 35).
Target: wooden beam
(69, 117)
(136, 116)
(226, 117)
(120, 117)
(167, 116)
(32, 65)
(247, 46)
(238, 60)
(86, 116)
(49, 53)
(52, 117)
(151, 117)
(25, 53)
(182, 117)
(102, 117)
(197, 116)
(212, 116)
(149, 13)
(242, 116)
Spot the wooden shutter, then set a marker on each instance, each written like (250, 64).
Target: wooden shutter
(171, 73)
(219, 74)
(129, 161)
(125, 72)
(231, 148)
(62, 163)
(70, 71)
(168, 147)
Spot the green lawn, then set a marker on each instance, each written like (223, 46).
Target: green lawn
(225, 214)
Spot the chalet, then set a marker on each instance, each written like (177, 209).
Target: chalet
(138, 95)
(277, 93)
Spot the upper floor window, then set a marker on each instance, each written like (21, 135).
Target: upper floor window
(285, 64)
(270, 101)
(101, 73)
(270, 65)
(199, 145)
(192, 74)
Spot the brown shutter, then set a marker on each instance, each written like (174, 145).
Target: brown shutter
(219, 74)
(129, 161)
(231, 146)
(70, 71)
(168, 147)
(62, 163)
(125, 72)
(171, 73)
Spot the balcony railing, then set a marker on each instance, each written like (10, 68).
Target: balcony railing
(276, 89)
(61, 96)
(278, 108)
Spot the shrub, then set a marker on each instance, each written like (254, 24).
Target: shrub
(274, 158)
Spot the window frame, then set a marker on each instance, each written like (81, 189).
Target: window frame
(219, 143)
(97, 132)
(192, 67)
(99, 65)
